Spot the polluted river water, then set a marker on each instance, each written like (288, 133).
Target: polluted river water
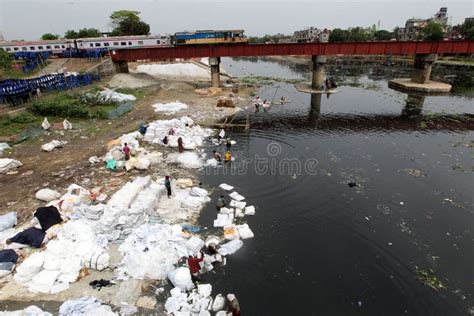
(361, 209)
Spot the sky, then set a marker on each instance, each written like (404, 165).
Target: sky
(29, 19)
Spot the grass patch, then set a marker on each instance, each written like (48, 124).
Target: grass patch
(11, 125)
(70, 105)
(137, 93)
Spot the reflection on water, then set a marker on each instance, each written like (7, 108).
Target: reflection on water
(324, 248)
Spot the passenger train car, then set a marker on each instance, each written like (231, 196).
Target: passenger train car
(57, 47)
(210, 37)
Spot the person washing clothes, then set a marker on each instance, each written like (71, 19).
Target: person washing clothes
(228, 143)
(126, 151)
(228, 156)
(234, 306)
(221, 202)
(217, 156)
(168, 186)
(193, 264)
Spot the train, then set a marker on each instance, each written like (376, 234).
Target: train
(57, 47)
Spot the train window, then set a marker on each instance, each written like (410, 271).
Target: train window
(40, 47)
(97, 44)
(48, 47)
(63, 46)
(15, 48)
(158, 42)
(8, 49)
(140, 42)
(56, 46)
(106, 44)
(123, 43)
(91, 45)
(32, 48)
(24, 48)
(115, 43)
(129, 43)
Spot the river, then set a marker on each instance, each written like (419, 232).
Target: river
(322, 247)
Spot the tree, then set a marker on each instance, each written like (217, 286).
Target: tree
(5, 60)
(338, 35)
(433, 31)
(358, 34)
(85, 32)
(71, 34)
(126, 22)
(49, 36)
(383, 35)
(467, 29)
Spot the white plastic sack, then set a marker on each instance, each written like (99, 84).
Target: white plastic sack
(47, 195)
(219, 303)
(181, 278)
(4, 146)
(7, 221)
(236, 204)
(245, 231)
(250, 210)
(236, 196)
(169, 108)
(230, 247)
(53, 144)
(204, 290)
(67, 124)
(7, 165)
(45, 124)
(226, 187)
(195, 191)
(195, 244)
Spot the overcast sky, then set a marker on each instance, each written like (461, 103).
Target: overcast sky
(29, 19)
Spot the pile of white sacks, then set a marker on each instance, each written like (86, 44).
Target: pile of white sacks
(238, 208)
(51, 270)
(192, 135)
(197, 302)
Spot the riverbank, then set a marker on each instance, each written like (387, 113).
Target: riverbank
(60, 168)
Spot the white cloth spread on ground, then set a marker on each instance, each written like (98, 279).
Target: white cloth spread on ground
(85, 306)
(170, 108)
(226, 187)
(151, 251)
(51, 270)
(178, 69)
(130, 207)
(192, 135)
(108, 95)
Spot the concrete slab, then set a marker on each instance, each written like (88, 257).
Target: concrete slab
(406, 85)
(306, 88)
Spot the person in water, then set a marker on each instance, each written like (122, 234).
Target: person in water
(221, 202)
(228, 156)
(217, 156)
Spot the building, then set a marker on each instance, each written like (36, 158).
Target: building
(311, 35)
(413, 27)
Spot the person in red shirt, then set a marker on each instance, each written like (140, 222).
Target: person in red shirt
(193, 263)
(126, 151)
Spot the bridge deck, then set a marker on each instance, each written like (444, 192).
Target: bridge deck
(238, 50)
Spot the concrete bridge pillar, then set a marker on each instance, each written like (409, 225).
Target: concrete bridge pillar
(319, 72)
(121, 66)
(422, 68)
(414, 105)
(214, 62)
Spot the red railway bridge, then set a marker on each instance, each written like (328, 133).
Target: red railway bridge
(425, 53)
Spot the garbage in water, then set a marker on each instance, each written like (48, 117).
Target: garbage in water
(52, 145)
(226, 187)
